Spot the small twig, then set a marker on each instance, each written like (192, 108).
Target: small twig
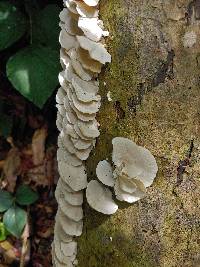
(25, 241)
(23, 253)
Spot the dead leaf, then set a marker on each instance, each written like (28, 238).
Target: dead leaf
(8, 252)
(44, 174)
(12, 168)
(38, 176)
(38, 145)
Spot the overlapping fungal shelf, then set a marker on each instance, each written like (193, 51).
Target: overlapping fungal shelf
(133, 171)
(82, 56)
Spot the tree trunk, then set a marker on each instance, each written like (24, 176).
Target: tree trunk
(154, 85)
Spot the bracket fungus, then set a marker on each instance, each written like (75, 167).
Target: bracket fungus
(100, 198)
(82, 56)
(134, 170)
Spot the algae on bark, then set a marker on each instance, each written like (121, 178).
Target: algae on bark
(154, 85)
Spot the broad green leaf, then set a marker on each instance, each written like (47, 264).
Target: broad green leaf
(6, 124)
(45, 28)
(33, 72)
(12, 24)
(3, 232)
(15, 219)
(25, 195)
(6, 200)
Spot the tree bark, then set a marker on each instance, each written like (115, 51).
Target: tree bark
(154, 85)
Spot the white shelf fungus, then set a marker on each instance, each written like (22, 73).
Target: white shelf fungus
(75, 177)
(78, 102)
(91, 2)
(134, 161)
(134, 169)
(104, 173)
(66, 40)
(96, 50)
(100, 198)
(91, 28)
(87, 62)
(86, 11)
(70, 226)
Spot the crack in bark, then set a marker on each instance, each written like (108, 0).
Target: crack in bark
(166, 70)
(120, 113)
(193, 11)
(183, 164)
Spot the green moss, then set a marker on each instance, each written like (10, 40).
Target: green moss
(121, 79)
(104, 243)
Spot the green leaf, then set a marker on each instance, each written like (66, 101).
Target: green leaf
(12, 24)
(6, 200)
(15, 219)
(6, 124)
(45, 27)
(33, 72)
(25, 195)
(3, 232)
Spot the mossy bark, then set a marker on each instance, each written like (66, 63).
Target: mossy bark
(154, 85)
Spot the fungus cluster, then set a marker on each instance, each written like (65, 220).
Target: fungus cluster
(134, 170)
(82, 56)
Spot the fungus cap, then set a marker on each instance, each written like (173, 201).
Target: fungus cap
(69, 128)
(125, 196)
(59, 232)
(81, 144)
(91, 2)
(131, 185)
(84, 74)
(100, 198)
(86, 11)
(104, 173)
(82, 116)
(69, 226)
(96, 50)
(91, 28)
(89, 129)
(75, 213)
(60, 96)
(134, 161)
(67, 40)
(83, 154)
(85, 91)
(59, 121)
(86, 107)
(69, 249)
(74, 198)
(67, 142)
(75, 177)
(61, 109)
(65, 187)
(58, 258)
(71, 116)
(59, 253)
(87, 62)
(71, 5)
(81, 136)
(69, 22)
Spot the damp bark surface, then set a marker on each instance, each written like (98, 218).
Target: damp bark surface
(154, 84)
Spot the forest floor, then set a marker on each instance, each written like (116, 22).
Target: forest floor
(28, 156)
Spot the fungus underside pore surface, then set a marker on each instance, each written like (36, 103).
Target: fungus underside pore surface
(160, 114)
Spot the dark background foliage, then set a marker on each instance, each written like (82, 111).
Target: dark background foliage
(29, 67)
